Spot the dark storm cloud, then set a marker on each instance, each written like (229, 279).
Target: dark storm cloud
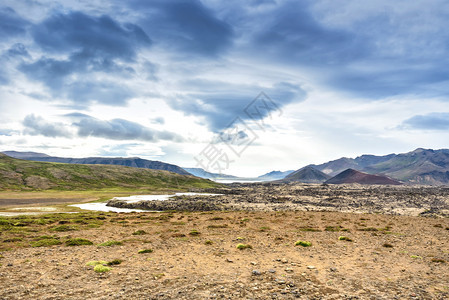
(18, 50)
(118, 129)
(433, 121)
(11, 24)
(94, 36)
(381, 55)
(91, 45)
(291, 33)
(187, 26)
(35, 125)
(219, 107)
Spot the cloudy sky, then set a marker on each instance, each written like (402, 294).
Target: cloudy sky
(175, 80)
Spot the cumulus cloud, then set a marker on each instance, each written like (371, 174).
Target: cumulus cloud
(36, 125)
(433, 121)
(87, 126)
(118, 129)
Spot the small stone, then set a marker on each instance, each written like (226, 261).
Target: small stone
(229, 260)
(311, 267)
(253, 263)
(289, 270)
(280, 281)
(284, 261)
(256, 272)
(333, 269)
(272, 271)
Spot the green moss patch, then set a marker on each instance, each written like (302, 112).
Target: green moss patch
(78, 242)
(303, 243)
(244, 246)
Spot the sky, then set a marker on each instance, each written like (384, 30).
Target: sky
(238, 87)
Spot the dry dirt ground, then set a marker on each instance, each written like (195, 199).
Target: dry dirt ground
(195, 256)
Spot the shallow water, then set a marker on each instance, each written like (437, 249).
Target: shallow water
(101, 206)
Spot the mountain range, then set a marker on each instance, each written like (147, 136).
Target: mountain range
(421, 166)
(119, 161)
(25, 175)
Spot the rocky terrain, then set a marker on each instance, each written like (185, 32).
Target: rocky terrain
(224, 255)
(394, 200)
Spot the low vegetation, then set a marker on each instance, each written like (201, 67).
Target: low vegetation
(143, 251)
(101, 269)
(139, 232)
(110, 243)
(23, 175)
(244, 246)
(46, 242)
(78, 242)
(303, 244)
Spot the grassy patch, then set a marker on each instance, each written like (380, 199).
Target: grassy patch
(114, 262)
(143, 251)
(438, 260)
(78, 242)
(110, 243)
(194, 232)
(63, 228)
(303, 243)
(244, 246)
(178, 223)
(139, 232)
(46, 242)
(345, 238)
(208, 242)
(96, 262)
(335, 228)
(218, 226)
(101, 269)
(13, 240)
(311, 229)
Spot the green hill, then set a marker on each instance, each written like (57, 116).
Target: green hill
(23, 175)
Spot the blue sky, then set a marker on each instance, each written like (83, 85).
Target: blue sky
(163, 79)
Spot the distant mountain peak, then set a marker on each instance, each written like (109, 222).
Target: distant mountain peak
(354, 176)
(308, 174)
